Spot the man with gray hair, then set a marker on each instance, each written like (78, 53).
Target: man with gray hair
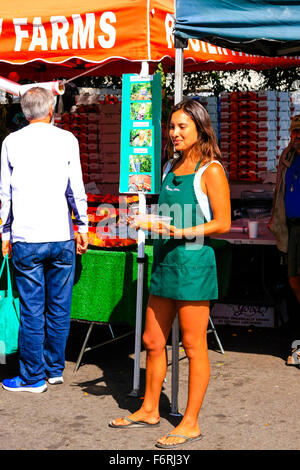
(41, 186)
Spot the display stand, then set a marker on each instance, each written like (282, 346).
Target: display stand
(140, 283)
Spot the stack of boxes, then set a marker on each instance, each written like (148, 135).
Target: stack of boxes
(295, 103)
(267, 135)
(283, 121)
(254, 128)
(98, 130)
(210, 103)
(109, 137)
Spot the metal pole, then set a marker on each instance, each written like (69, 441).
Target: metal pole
(179, 45)
(178, 92)
(175, 368)
(139, 301)
(140, 281)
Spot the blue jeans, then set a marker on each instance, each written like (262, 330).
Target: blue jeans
(44, 274)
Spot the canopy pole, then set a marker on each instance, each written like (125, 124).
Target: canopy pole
(178, 95)
(140, 281)
(178, 92)
(144, 69)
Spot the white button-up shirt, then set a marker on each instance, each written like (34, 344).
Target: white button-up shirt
(41, 185)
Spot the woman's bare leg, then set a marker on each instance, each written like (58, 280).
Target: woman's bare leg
(159, 318)
(193, 317)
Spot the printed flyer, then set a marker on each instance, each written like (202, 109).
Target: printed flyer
(141, 134)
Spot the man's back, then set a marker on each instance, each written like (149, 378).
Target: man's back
(44, 173)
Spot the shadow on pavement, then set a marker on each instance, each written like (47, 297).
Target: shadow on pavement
(116, 368)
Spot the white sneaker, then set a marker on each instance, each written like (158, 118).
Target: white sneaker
(55, 380)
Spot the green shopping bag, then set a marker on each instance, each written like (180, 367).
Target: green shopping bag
(9, 315)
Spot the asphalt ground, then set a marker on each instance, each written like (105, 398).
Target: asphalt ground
(252, 401)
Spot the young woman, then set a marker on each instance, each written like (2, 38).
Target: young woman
(184, 277)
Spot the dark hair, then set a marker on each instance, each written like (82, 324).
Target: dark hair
(206, 148)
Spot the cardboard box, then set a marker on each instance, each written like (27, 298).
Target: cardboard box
(267, 144)
(248, 105)
(248, 135)
(225, 96)
(267, 154)
(247, 95)
(248, 154)
(267, 135)
(271, 164)
(111, 118)
(109, 148)
(92, 137)
(283, 96)
(248, 125)
(225, 106)
(284, 115)
(266, 94)
(224, 146)
(283, 105)
(267, 125)
(94, 156)
(110, 157)
(109, 128)
(92, 147)
(109, 138)
(92, 127)
(269, 115)
(247, 164)
(270, 105)
(283, 125)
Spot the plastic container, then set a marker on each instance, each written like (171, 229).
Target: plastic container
(148, 221)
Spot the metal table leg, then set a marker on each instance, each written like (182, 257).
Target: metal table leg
(83, 347)
(175, 368)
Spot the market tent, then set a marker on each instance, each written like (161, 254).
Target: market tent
(63, 39)
(55, 39)
(265, 27)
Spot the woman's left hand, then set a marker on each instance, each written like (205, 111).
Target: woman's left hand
(161, 228)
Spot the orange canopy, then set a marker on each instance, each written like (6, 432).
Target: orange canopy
(52, 39)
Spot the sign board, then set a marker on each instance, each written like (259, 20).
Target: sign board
(243, 315)
(141, 134)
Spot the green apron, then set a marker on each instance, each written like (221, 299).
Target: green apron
(183, 269)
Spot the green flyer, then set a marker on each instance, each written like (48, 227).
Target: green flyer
(141, 134)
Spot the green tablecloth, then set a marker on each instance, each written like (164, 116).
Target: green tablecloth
(105, 287)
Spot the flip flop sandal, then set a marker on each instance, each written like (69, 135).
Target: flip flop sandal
(134, 424)
(294, 358)
(187, 441)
